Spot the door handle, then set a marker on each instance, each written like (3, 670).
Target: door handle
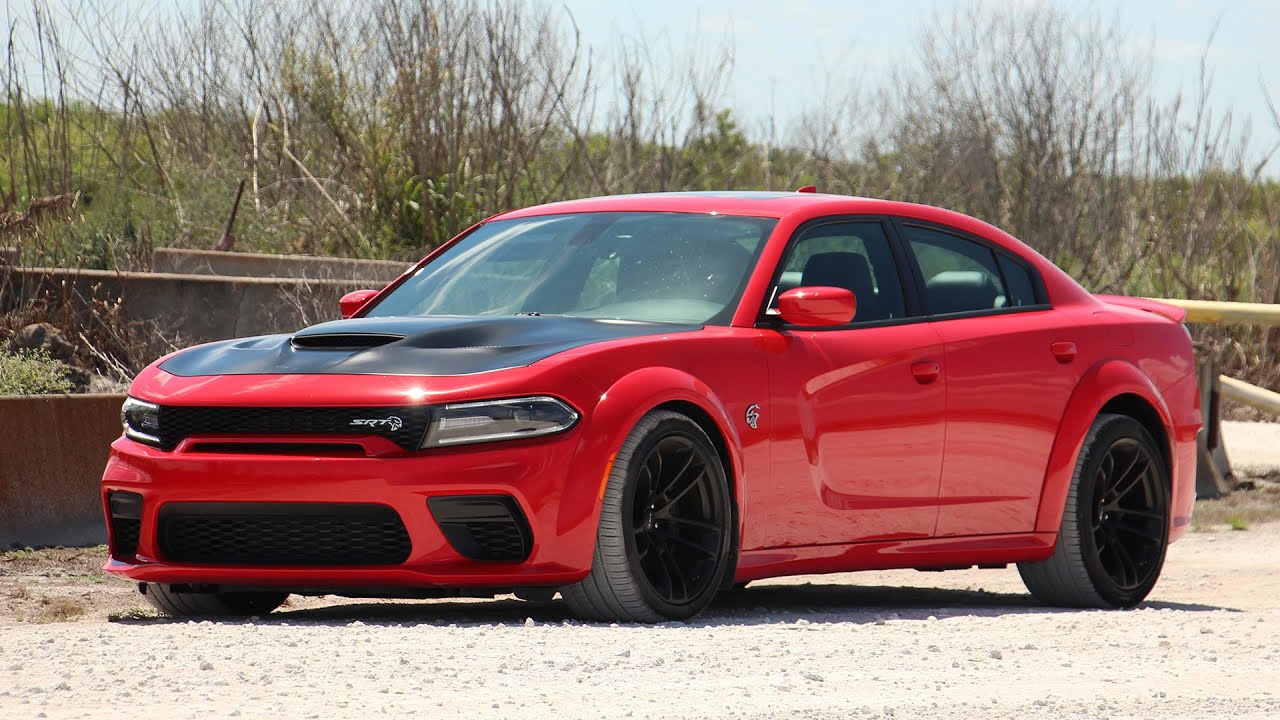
(925, 371)
(1065, 352)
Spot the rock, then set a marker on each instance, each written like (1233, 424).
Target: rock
(103, 384)
(43, 336)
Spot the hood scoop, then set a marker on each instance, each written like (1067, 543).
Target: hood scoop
(412, 346)
(342, 341)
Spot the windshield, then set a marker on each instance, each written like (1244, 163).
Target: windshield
(647, 266)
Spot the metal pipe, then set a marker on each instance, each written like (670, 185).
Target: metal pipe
(1251, 395)
(1212, 311)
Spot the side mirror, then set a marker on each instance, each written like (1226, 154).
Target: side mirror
(817, 306)
(354, 300)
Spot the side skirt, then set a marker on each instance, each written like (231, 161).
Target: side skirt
(944, 553)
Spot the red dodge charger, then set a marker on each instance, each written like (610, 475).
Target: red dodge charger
(638, 401)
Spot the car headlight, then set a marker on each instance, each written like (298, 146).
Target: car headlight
(141, 421)
(492, 420)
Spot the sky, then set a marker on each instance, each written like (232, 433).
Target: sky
(785, 51)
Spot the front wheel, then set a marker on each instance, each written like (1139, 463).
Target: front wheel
(1115, 526)
(178, 601)
(665, 537)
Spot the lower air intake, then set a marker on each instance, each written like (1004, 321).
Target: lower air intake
(484, 527)
(282, 534)
(125, 509)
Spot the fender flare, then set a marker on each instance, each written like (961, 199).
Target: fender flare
(1100, 384)
(620, 407)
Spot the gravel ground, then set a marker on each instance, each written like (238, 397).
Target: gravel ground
(901, 644)
(964, 644)
(1254, 447)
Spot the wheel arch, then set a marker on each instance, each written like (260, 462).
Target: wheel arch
(640, 392)
(1111, 386)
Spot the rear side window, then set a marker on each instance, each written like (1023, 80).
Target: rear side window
(1017, 278)
(961, 275)
(854, 256)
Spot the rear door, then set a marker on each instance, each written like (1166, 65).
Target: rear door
(856, 411)
(1010, 368)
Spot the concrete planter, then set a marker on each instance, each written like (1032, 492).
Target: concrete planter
(186, 309)
(53, 449)
(373, 273)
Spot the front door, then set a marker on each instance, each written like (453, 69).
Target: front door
(856, 411)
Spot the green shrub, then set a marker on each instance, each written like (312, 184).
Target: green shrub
(32, 372)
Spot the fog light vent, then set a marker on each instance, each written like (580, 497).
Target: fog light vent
(125, 509)
(484, 527)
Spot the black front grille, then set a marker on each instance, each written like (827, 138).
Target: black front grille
(279, 534)
(404, 426)
(484, 527)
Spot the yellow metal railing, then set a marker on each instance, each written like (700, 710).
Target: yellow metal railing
(1213, 473)
(1227, 313)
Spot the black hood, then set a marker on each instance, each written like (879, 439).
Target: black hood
(408, 346)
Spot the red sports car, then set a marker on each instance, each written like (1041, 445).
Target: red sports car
(638, 401)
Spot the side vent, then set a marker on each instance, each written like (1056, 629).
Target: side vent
(343, 341)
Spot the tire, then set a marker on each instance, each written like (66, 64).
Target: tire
(184, 603)
(1115, 525)
(664, 544)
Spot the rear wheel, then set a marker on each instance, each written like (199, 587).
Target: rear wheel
(664, 543)
(1115, 526)
(178, 601)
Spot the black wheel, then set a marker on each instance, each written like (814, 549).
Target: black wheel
(178, 601)
(1115, 526)
(665, 537)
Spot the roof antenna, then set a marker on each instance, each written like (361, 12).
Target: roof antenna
(808, 189)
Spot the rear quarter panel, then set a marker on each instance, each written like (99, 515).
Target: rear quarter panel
(1130, 352)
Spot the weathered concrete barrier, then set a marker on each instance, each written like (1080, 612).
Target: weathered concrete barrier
(53, 449)
(375, 273)
(186, 309)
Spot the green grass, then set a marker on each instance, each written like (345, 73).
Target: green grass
(32, 372)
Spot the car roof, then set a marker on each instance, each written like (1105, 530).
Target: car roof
(757, 204)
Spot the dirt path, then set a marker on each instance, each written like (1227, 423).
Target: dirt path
(901, 644)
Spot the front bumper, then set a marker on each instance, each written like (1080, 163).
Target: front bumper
(554, 488)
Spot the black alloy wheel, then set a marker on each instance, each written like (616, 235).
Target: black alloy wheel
(1115, 524)
(665, 541)
(1129, 523)
(677, 520)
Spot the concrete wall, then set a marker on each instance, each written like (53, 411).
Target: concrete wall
(187, 309)
(374, 273)
(53, 449)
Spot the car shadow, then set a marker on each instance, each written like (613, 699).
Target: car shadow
(756, 605)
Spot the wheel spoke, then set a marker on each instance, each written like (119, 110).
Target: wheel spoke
(1129, 479)
(673, 571)
(690, 522)
(697, 481)
(695, 546)
(668, 584)
(678, 476)
(1135, 512)
(1135, 532)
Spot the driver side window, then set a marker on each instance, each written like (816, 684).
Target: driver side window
(853, 256)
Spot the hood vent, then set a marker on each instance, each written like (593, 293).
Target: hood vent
(343, 341)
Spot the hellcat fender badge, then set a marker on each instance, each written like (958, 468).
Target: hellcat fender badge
(753, 415)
